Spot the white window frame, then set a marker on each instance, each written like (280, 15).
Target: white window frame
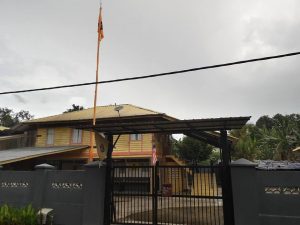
(76, 136)
(50, 136)
(135, 137)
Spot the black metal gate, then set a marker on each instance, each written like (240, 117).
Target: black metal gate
(166, 195)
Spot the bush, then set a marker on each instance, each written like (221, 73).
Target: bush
(18, 216)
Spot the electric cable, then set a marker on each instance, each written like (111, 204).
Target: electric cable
(155, 75)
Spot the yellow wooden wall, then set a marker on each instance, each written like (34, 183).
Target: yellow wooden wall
(41, 137)
(205, 184)
(124, 143)
(62, 137)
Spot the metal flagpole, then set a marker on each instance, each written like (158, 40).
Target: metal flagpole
(100, 37)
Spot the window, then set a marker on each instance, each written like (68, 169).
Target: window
(135, 137)
(50, 136)
(76, 136)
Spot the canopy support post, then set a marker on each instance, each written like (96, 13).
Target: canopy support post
(226, 180)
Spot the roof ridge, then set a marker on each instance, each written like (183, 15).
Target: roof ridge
(73, 112)
(145, 109)
(101, 109)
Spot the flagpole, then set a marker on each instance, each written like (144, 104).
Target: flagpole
(91, 152)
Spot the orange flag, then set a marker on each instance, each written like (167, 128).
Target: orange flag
(100, 26)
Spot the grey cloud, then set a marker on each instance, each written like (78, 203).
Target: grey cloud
(49, 43)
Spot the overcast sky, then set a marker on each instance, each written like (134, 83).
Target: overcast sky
(53, 42)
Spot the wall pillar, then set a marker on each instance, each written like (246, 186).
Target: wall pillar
(245, 197)
(228, 211)
(108, 181)
(41, 177)
(94, 194)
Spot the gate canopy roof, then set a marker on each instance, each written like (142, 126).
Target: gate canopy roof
(173, 127)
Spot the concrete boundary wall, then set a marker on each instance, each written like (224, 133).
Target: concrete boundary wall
(77, 197)
(265, 197)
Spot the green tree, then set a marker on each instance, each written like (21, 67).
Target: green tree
(9, 118)
(74, 108)
(215, 155)
(265, 121)
(192, 150)
(271, 138)
(282, 138)
(246, 146)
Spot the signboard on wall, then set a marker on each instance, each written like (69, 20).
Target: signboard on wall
(101, 143)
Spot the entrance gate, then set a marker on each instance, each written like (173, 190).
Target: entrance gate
(188, 195)
(169, 194)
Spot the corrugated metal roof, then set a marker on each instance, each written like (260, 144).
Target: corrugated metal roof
(19, 154)
(176, 126)
(102, 112)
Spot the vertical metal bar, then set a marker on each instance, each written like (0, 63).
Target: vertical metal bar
(226, 181)
(182, 189)
(211, 200)
(130, 189)
(172, 199)
(174, 178)
(121, 194)
(125, 203)
(151, 189)
(170, 210)
(205, 190)
(140, 189)
(186, 193)
(202, 186)
(220, 194)
(124, 197)
(135, 191)
(154, 195)
(216, 200)
(191, 194)
(213, 177)
(113, 210)
(168, 198)
(160, 183)
(194, 170)
(199, 201)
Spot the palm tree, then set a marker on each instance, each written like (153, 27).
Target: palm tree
(282, 138)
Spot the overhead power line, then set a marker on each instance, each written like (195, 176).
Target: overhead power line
(155, 75)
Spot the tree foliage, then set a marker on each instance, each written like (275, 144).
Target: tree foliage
(265, 121)
(271, 138)
(246, 147)
(74, 108)
(9, 118)
(192, 150)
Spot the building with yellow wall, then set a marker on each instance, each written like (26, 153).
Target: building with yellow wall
(60, 130)
(70, 148)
